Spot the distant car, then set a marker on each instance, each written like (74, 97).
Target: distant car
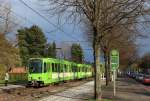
(130, 74)
(146, 79)
(134, 75)
(139, 77)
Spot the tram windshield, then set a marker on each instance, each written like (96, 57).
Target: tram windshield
(35, 66)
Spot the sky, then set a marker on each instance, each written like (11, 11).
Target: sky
(69, 32)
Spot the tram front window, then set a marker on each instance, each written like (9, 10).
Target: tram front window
(35, 66)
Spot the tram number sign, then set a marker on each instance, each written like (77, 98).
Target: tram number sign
(114, 59)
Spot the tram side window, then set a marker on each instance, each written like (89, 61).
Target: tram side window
(80, 69)
(86, 69)
(64, 68)
(75, 68)
(61, 67)
(68, 68)
(44, 67)
(56, 67)
(53, 67)
(72, 68)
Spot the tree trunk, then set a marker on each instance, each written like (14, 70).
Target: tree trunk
(97, 72)
(109, 70)
(106, 69)
(94, 73)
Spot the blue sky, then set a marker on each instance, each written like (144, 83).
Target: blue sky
(70, 33)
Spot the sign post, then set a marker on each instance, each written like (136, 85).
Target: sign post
(114, 65)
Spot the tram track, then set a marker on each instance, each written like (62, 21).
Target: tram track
(37, 93)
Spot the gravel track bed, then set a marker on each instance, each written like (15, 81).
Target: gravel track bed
(34, 94)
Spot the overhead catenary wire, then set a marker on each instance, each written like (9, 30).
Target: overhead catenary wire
(81, 41)
(29, 21)
(17, 14)
(33, 23)
(43, 17)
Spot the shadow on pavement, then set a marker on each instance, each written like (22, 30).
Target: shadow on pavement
(128, 89)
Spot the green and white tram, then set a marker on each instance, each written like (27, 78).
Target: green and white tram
(44, 71)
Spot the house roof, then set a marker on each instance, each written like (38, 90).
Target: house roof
(18, 70)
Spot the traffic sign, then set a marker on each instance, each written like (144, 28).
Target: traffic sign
(114, 58)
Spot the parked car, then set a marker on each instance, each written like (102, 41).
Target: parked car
(130, 74)
(146, 79)
(139, 77)
(134, 75)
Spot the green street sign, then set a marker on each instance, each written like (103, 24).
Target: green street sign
(114, 59)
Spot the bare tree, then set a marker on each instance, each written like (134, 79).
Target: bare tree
(5, 16)
(103, 16)
(8, 22)
(9, 55)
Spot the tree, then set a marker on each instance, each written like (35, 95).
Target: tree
(51, 52)
(23, 45)
(31, 42)
(7, 23)
(121, 38)
(145, 61)
(9, 55)
(54, 49)
(76, 53)
(102, 15)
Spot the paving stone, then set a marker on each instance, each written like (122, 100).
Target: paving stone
(79, 93)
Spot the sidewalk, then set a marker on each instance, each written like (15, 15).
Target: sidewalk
(127, 90)
(79, 93)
